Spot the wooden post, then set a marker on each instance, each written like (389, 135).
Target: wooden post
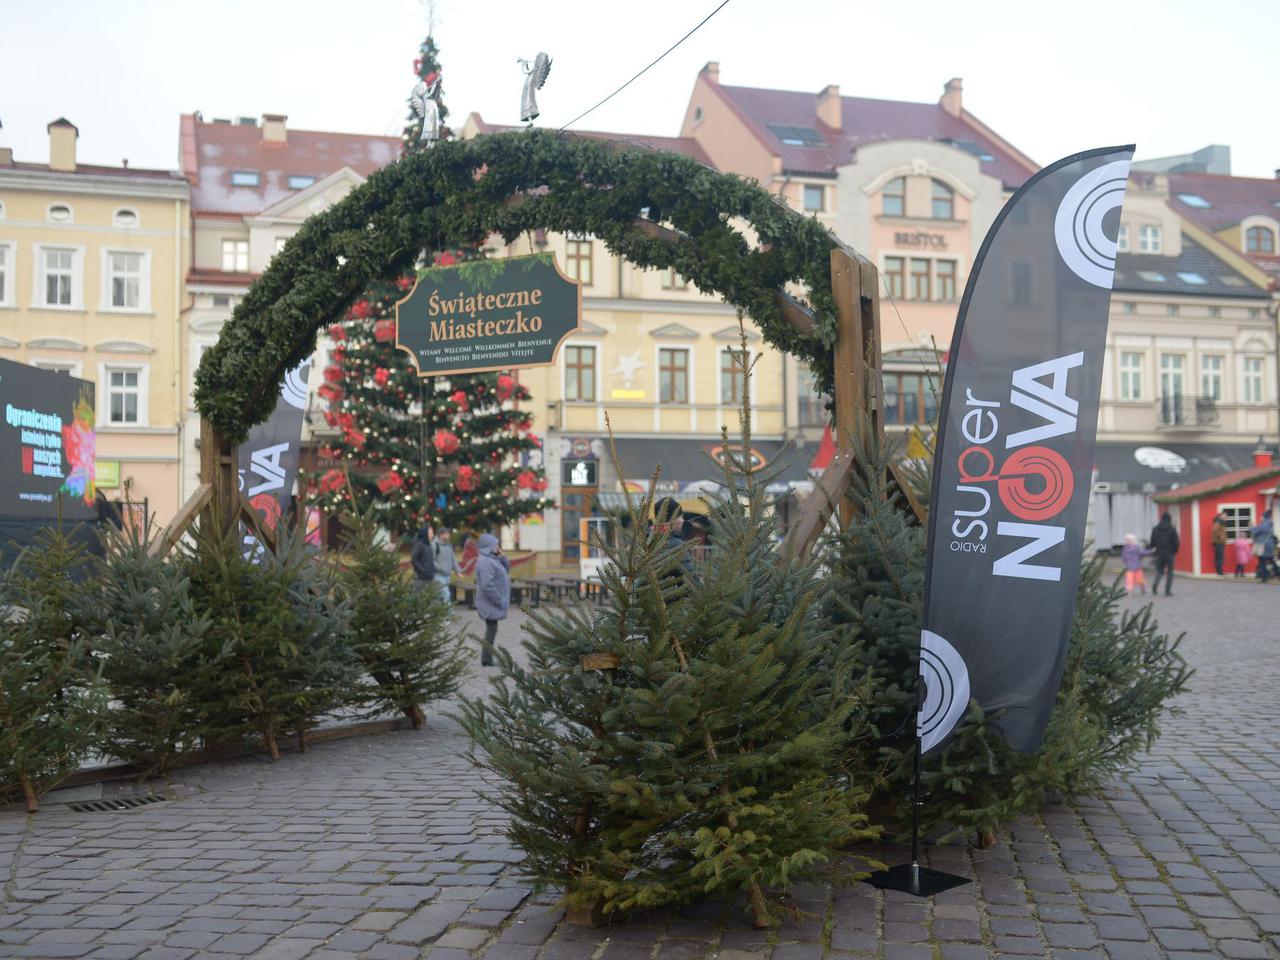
(218, 468)
(850, 365)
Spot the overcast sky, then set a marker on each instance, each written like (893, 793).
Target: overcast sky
(1171, 76)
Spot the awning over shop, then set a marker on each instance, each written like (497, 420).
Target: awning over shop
(1139, 467)
(693, 463)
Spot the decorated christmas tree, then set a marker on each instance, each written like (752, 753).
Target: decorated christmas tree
(445, 451)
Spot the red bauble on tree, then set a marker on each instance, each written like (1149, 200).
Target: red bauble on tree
(445, 442)
(384, 331)
(460, 398)
(506, 387)
(466, 479)
(361, 309)
(381, 376)
(337, 332)
(389, 481)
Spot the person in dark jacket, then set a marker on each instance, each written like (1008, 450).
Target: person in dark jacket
(1218, 537)
(493, 592)
(668, 518)
(1264, 547)
(424, 564)
(1164, 542)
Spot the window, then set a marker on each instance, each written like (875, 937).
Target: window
(1215, 311)
(280, 242)
(60, 213)
(731, 373)
(945, 272)
(1171, 370)
(1152, 276)
(909, 398)
(1211, 377)
(895, 276)
(577, 261)
(6, 272)
(673, 375)
(1255, 313)
(59, 276)
(1020, 292)
(235, 256)
(300, 181)
(124, 279)
(123, 396)
(673, 281)
(1122, 238)
(1148, 239)
(245, 178)
(1194, 200)
(1172, 310)
(580, 373)
(1130, 376)
(814, 195)
(812, 406)
(944, 201)
(1192, 279)
(1260, 240)
(58, 366)
(125, 217)
(1232, 281)
(919, 279)
(1239, 519)
(796, 136)
(894, 197)
(1252, 379)
(1130, 308)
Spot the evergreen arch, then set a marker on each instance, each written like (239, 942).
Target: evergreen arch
(656, 209)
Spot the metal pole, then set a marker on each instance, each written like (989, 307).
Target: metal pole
(915, 821)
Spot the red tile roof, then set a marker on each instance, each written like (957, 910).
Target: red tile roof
(685, 145)
(1231, 200)
(212, 151)
(863, 121)
(1224, 481)
(98, 170)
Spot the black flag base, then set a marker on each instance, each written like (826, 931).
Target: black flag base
(916, 880)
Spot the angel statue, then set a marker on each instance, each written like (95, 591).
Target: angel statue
(535, 77)
(426, 107)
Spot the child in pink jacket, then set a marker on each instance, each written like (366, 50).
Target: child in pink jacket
(1244, 553)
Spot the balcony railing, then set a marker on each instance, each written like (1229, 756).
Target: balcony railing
(1179, 412)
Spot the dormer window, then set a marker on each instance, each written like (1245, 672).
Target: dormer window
(894, 197)
(1149, 239)
(944, 201)
(1260, 240)
(60, 213)
(245, 178)
(300, 181)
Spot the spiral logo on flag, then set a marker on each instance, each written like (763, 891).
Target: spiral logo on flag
(1077, 227)
(946, 689)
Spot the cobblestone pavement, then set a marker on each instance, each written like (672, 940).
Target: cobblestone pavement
(381, 847)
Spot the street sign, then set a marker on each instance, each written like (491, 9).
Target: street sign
(481, 315)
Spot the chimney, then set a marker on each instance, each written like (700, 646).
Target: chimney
(712, 70)
(273, 130)
(6, 156)
(952, 99)
(1261, 455)
(829, 106)
(62, 145)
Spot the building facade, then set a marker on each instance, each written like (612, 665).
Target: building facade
(912, 186)
(93, 261)
(253, 183)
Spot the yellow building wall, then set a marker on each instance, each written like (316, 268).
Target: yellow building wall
(91, 335)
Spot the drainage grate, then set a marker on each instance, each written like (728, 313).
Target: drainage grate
(124, 803)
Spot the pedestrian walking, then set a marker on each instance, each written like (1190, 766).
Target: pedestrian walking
(1244, 553)
(1264, 547)
(1132, 553)
(1218, 537)
(1164, 544)
(493, 592)
(446, 563)
(424, 567)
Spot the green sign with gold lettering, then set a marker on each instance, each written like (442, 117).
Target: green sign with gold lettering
(483, 315)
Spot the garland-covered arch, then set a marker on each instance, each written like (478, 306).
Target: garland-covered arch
(655, 209)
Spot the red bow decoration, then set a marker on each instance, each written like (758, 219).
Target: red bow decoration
(445, 442)
(384, 331)
(390, 481)
(331, 481)
(354, 437)
(338, 332)
(381, 375)
(460, 398)
(361, 309)
(328, 452)
(466, 479)
(540, 484)
(331, 418)
(333, 373)
(330, 392)
(445, 258)
(404, 283)
(526, 479)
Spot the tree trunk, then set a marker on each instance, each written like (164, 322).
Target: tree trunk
(269, 736)
(986, 839)
(759, 909)
(415, 715)
(29, 793)
(302, 737)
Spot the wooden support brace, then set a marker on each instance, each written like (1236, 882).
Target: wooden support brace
(818, 505)
(253, 518)
(182, 521)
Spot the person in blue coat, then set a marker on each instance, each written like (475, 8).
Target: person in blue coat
(493, 592)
